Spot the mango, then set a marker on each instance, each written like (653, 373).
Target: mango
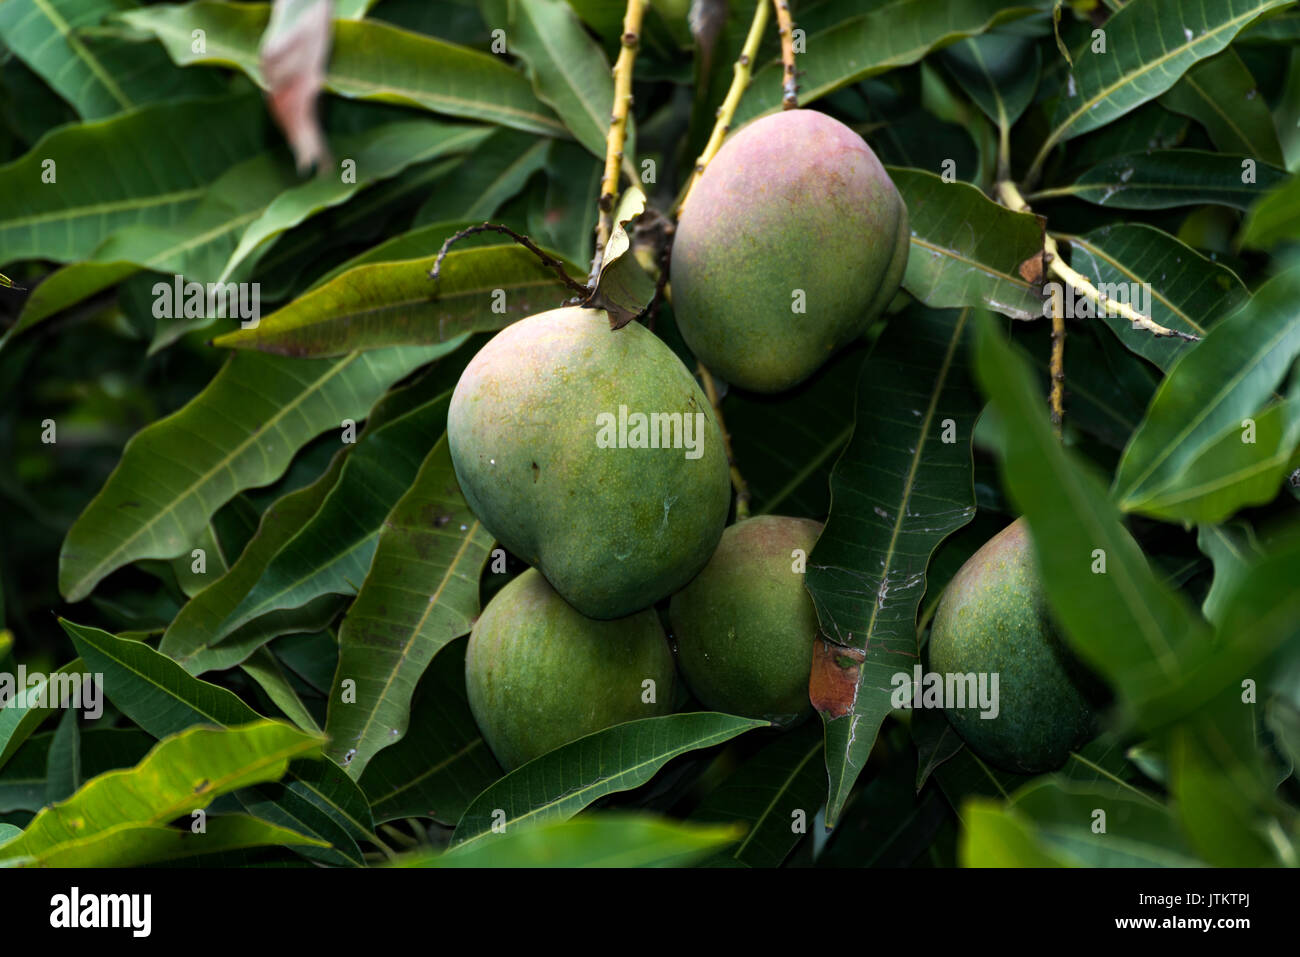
(745, 627)
(993, 619)
(539, 674)
(791, 243)
(593, 456)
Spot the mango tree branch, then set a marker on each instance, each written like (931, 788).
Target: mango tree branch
(789, 82)
(547, 260)
(617, 134)
(737, 480)
(740, 77)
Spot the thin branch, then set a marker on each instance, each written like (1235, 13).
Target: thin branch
(546, 259)
(617, 134)
(741, 74)
(789, 79)
(737, 480)
(8, 283)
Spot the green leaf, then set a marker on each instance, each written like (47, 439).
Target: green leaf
(903, 484)
(561, 783)
(953, 264)
(370, 60)
(893, 35)
(332, 551)
(23, 780)
(1161, 179)
(1275, 218)
(998, 71)
(569, 70)
(442, 762)
(99, 76)
(315, 798)
(994, 836)
(596, 840)
(1221, 95)
(1233, 549)
(239, 433)
(264, 668)
(421, 592)
(1135, 631)
(493, 173)
(773, 791)
(63, 770)
(184, 773)
(1188, 292)
(28, 708)
(1227, 378)
(394, 303)
(1139, 832)
(101, 183)
(1148, 47)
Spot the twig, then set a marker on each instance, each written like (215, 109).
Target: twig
(617, 134)
(737, 480)
(8, 283)
(741, 73)
(547, 260)
(789, 81)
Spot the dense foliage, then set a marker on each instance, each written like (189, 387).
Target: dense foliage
(244, 516)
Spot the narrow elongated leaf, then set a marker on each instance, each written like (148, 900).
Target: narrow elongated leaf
(1148, 47)
(101, 184)
(192, 632)
(377, 154)
(781, 785)
(240, 432)
(1233, 549)
(893, 35)
(1275, 218)
(442, 762)
(394, 303)
(63, 770)
(569, 69)
(30, 706)
(315, 798)
(492, 174)
(999, 71)
(131, 845)
(597, 840)
(1217, 385)
(98, 76)
(420, 593)
(1187, 291)
(903, 484)
(370, 61)
(1221, 95)
(183, 773)
(952, 263)
(1160, 179)
(331, 553)
(561, 783)
(1134, 630)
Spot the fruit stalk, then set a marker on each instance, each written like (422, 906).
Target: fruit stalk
(741, 73)
(1012, 199)
(789, 81)
(617, 134)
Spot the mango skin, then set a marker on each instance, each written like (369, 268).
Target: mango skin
(745, 626)
(993, 617)
(795, 200)
(612, 529)
(539, 674)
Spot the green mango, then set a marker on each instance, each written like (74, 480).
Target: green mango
(543, 432)
(993, 619)
(539, 674)
(745, 627)
(794, 213)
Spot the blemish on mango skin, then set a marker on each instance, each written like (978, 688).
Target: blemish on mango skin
(833, 684)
